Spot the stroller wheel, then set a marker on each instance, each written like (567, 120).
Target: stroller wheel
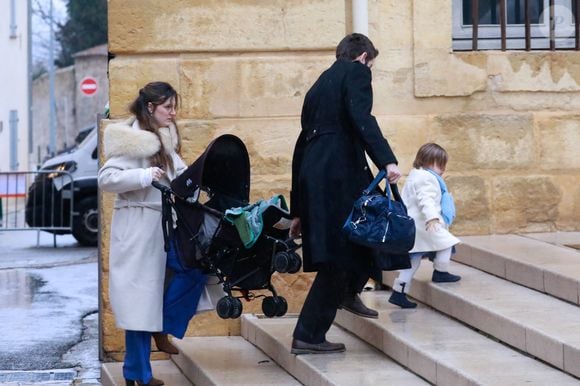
(295, 263)
(282, 261)
(225, 307)
(236, 308)
(269, 306)
(282, 306)
(274, 306)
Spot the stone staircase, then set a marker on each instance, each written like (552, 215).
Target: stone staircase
(513, 319)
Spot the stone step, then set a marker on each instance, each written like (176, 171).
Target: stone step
(445, 351)
(112, 373)
(360, 365)
(228, 360)
(563, 239)
(536, 264)
(533, 322)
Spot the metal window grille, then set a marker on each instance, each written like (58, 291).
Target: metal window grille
(525, 24)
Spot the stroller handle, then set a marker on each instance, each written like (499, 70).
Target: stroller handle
(163, 188)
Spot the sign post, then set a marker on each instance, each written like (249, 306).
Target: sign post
(88, 86)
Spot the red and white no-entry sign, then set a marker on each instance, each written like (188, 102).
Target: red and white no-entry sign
(88, 85)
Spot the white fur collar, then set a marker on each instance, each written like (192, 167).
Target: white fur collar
(127, 139)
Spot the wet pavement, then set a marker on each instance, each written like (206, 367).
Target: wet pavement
(48, 311)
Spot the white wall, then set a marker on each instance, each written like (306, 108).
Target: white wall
(14, 81)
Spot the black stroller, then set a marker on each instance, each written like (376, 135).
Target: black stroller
(206, 239)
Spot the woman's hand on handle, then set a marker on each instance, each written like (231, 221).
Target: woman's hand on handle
(295, 228)
(393, 173)
(156, 173)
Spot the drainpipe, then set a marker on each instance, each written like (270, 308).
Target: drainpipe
(52, 106)
(360, 17)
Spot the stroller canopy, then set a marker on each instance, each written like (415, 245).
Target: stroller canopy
(223, 171)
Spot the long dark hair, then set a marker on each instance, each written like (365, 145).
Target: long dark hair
(156, 93)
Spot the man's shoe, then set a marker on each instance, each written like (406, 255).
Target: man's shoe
(326, 347)
(355, 305)
(164, 344)
(400, 299)
(444, 277)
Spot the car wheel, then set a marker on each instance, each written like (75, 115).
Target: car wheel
(86, 222)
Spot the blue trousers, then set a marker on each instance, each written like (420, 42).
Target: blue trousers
(179, 305)
(137, 366)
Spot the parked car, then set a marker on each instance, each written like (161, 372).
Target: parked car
(50, 194)
(83, 133)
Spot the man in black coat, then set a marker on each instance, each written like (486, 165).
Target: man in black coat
(330, 171)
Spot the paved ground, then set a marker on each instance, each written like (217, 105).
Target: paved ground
(48, 311)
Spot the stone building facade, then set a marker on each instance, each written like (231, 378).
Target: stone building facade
(14, 93)
(509, 119)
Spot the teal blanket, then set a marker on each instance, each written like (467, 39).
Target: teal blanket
(248, 219)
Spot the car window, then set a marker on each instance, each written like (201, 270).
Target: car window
(88, 137)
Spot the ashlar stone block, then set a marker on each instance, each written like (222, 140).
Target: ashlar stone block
(569, 206)
(522, 71)
(560, 136)
(406, 134)
(128, 74)
(440, 73)
(471, 196)
(391, 25)
(428, 30)
(254, 86)
(149, 26)
(487, 141)
(523, 200)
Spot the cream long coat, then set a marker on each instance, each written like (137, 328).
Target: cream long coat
(422, 196)
(136, 258)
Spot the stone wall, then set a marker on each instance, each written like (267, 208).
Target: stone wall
(64, 84)
(74, 110)
(508, 119)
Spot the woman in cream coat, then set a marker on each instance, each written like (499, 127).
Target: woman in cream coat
(139, 151)
(422, 195)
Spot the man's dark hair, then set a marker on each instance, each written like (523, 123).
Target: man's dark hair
(353, 45)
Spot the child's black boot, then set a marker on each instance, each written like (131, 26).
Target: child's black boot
(444, 277)
(400, 298)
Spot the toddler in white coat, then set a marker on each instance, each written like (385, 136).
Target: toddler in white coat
(431, 206)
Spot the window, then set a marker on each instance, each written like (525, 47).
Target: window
(489, 29)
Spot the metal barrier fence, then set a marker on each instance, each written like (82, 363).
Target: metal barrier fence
(39, 200)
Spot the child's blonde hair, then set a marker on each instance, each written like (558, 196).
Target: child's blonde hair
(430, 154)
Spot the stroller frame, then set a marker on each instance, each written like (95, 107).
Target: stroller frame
(225, 256)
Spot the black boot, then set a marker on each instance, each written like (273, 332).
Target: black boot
(400, 298)
(444, 277)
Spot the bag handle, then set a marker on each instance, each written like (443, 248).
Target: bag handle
(375, 182)
(393, 187)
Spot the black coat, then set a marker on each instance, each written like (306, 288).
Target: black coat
(329, 168)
